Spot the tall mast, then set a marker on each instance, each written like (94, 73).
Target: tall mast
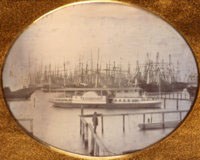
(170, 69)
(91, 69)
(64, 74)
(129, 68)
(97, 70)
(29, 69)
(156, 69)
(178, 72)
(114, 69)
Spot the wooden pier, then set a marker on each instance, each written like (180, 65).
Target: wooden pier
(144, 124)
(92, 142)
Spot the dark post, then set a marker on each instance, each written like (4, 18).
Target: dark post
(163, 120)
(97, 150)
(177, 107)
(92, 145)
(123, 123)
(86, 136)
(82, 110)
(144, 118)
(102, 127)
(80, 125)
(83, 132)
(164, 103)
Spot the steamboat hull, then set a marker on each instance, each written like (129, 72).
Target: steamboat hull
(111, 105)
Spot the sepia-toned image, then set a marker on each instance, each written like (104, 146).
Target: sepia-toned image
(100, 79)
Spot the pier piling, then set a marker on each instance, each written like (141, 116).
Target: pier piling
(123, 123)
(163, 120)
(102, 125)
(177, 104)
(164, 103)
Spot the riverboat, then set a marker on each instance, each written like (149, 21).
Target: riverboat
(133, 99)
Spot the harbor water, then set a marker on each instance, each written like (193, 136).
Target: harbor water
(60, 127)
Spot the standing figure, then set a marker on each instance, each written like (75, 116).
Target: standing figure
(95, 121)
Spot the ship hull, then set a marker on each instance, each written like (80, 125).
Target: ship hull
(21, 94)
(168, 124)
(163, 87)
(192, 90)
(110, 105)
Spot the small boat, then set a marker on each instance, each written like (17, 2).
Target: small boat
(133, 99)
(168, 124)
(20, 94)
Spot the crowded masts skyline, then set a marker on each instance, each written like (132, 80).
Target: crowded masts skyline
(93, 72)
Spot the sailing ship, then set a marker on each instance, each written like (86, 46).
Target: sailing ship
(26, 86)
(192, 85)
(155, 76)
(20, 94)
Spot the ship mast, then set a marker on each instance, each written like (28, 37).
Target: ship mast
(91, 69)
(157, 69)
(170, 69)
(97, 71)
(178, 73)
(147, 69)
(64, 75)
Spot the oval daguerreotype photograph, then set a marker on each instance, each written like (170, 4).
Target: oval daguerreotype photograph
(100, 78)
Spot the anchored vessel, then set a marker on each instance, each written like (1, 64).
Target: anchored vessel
(133, 99)
(20, 94)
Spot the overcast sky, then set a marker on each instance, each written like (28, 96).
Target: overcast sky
(118, 31)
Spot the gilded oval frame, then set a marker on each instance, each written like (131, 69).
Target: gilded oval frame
(165, 149)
